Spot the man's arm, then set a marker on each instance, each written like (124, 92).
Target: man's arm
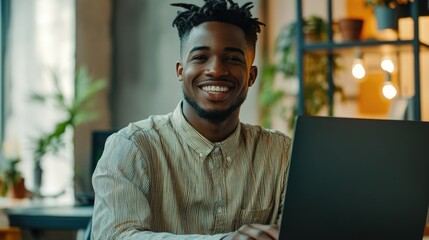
(121, 209)
(139, 235)
(255, 231)
(285, 172)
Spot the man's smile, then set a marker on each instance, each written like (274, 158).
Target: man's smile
(215, 89)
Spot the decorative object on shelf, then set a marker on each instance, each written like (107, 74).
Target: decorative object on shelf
(385, 12)
(388, 12)
(386, 17)
(77, 110)
(351, 28)
(271, 96)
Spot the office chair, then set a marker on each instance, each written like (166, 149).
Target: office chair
(88, 229)
(86, 198)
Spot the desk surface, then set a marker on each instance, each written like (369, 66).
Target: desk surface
(45, 213)
(44, 217)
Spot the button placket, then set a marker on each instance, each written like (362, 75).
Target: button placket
(219, 186)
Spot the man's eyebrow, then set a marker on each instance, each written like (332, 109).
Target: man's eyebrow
(233, 49)
(199, 48)
(228, 49)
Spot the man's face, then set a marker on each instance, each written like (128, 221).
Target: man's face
(216, 69)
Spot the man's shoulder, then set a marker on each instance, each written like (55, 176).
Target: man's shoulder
(261, 132)
(266, 145)
(146, 126)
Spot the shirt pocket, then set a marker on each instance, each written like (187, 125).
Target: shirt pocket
(253, 216)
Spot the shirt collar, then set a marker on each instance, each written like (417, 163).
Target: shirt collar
(198, 142)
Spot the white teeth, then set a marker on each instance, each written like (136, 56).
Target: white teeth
(215, 89)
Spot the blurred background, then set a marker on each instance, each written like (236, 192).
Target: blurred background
(72, 67)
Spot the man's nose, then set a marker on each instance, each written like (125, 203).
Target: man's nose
(217, 68)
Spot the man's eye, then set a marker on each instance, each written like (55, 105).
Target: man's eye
(199, 58)
(234, 59)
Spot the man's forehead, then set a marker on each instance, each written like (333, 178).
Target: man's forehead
(216, 33)
(217, 26)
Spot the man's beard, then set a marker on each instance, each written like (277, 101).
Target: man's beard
(214, 116)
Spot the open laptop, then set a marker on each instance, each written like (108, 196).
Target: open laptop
(357, 179)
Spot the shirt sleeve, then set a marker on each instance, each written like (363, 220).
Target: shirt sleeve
(121, 182)
(285, 172)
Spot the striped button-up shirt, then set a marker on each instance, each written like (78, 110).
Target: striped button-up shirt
(160, 179)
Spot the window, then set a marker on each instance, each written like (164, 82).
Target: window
(41, 41)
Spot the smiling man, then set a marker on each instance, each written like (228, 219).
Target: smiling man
(198, 172)
(216, 70)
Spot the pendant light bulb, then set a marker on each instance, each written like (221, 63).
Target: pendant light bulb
(389, 90)
(387, 65)
(358, 70)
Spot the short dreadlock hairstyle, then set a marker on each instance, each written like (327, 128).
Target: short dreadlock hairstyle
(219, 11)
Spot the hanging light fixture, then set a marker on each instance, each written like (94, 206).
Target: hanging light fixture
(358, 69)
(389, 90)
(387, 64)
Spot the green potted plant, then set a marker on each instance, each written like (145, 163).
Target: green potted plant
(13, 184)
(387, 12)
(314, 29)
(77, 110)
(315, 75)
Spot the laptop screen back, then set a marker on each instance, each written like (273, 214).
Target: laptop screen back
(357, 179)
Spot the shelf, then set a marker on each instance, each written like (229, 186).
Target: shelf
(367, 46)
(331, 47)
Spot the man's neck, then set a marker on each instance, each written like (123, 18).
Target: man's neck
(213, 131)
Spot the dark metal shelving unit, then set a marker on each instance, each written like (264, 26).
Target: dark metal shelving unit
(329, 48)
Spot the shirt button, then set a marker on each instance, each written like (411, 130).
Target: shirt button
(228, 159)
(216, 150)
(219, 210)
(201, 155)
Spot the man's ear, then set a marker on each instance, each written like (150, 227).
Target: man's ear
(179, 70)
(252, 76)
